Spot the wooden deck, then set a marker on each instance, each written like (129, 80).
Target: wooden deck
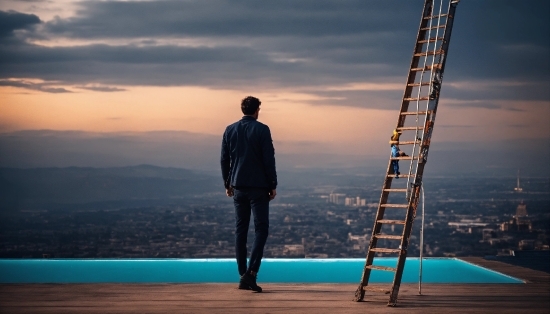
(531, 297)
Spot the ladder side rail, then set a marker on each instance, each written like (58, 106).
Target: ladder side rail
(442, 59)
(411, 214)
(425, 56)
(365, 276)
(420, 134)
(377, 226)
(447, 35)
(422, 35)
(411, 76)
(438, 79)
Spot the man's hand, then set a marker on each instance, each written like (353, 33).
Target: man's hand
(272, 194)
(229, 191)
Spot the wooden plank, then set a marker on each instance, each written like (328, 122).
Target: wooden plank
(395, 205)
(405, 142)
(384, 250)
(381, 268)
(415, 99)
(410, 128)
(395, 190)
(388, 236)
(391, 222)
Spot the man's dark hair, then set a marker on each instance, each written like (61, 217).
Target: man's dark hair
(250, 104)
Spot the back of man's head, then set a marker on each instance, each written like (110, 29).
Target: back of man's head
(250, 105)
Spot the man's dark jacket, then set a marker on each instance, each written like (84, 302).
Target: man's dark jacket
(248, 156)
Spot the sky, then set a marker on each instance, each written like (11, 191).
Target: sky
(118, 83)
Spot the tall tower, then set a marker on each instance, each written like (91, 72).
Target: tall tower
(518, 188)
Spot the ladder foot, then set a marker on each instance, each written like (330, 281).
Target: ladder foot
(359, 294)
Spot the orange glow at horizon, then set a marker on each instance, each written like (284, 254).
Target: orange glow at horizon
(290, 116)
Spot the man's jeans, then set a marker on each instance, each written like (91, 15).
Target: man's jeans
(249, 200)
(395, 164)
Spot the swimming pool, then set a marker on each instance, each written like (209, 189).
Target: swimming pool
(435, 270)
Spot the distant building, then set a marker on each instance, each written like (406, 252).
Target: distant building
(526, 244)
(355, 201)
(468, 225)
(520, 222)
(359, 242)
(293, 250)
(336, 198)
(521, 211)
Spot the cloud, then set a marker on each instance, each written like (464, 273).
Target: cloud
(102, 88)
(42, 87)
(497, 89)
(220, 18)
(11, 21)
(485, 104)
(286, 45)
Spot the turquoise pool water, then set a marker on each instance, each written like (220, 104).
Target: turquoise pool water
(435, 270)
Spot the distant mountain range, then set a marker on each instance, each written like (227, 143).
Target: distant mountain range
(45, 188)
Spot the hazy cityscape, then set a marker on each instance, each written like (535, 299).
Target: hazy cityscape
(318, 215)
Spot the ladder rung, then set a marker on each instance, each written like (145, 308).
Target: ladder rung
(429, 53)
(402, 175)
(391, 222)
(404, 158)
(413, 113)
(395, 190)
(419, 84)
(372, 289)
(416, 99)
(410, 128)
(385, 250)
(381, 268)
(427, 68)
(395, 205)
(433, 27)
(405, 142)
(387, 236)
(430, 40)
(435, 16)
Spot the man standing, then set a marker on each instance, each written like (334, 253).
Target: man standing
(249, 175)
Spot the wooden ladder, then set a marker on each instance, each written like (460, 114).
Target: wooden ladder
(400, 192)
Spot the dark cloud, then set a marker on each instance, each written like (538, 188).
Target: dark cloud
(473, 104)
(43, 87)
(498, 90)
(246, 43)
(233, 18)
(170, 65)
(11, 21)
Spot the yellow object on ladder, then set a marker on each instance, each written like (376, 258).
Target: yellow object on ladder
(415, 122)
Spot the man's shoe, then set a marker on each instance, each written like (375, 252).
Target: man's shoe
(243, 285)
(250, 281)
